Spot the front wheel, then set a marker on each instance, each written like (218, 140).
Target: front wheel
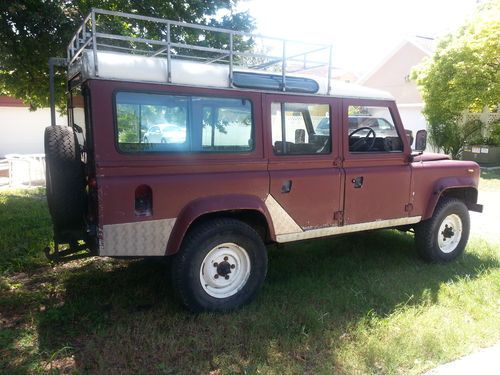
(221, 266)
(443, 237)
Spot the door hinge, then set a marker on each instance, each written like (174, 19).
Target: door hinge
(408, 207)
(338, 216)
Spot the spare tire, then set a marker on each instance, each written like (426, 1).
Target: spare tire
(65, 179)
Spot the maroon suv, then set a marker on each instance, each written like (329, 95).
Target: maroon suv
(209, 164)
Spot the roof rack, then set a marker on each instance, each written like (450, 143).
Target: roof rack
(157, 37)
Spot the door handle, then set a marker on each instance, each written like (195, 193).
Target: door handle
(358, 182)
(286, 186)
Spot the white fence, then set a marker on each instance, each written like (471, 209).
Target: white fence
(24, 170)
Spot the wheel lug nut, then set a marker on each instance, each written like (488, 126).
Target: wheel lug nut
(216, 264)
(226, 258)
(227, 277)
(216, 276)
(232, 266)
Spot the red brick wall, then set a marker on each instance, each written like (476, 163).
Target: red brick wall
(8, 101)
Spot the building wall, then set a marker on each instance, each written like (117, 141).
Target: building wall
(412, 117)
(393, 75)
(21, 130)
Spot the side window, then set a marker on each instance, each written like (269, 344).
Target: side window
(371, 129)
(300, 128)
(227, 125)
(169, 123)
(151, 122)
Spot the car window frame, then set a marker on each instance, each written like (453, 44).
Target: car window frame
(191, 94)
(379, 155)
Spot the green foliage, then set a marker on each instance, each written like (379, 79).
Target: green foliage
(31, 31)
(128, 124)
(494, 138)
(451, 137)
(462, 75)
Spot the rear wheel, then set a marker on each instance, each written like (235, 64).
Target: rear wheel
(221, 266)
(65, 178)
(444, 236)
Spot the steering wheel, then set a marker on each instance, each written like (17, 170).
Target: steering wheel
(364, 141)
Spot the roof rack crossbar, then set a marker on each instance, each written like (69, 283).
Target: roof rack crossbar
(291, 58)
(194, 26)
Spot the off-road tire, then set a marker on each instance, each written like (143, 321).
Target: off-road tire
(427, 232)
(65, 178)
(199, 242)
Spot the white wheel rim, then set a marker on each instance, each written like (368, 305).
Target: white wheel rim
(225, 270)
(450, 233)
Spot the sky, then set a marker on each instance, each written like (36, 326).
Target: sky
(362, 32)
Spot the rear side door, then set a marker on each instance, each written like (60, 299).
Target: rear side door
(304, 164)
(376, 164)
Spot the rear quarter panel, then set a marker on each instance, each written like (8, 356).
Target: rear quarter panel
(176, 179)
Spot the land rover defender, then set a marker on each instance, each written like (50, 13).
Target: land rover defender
(207, 160)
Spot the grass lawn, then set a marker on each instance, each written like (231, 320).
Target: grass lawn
(356, 304)
(490, 180)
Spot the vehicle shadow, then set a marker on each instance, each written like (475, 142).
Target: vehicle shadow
(123, 317)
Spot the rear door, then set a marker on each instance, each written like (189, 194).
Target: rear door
(377, 183)
(304, 164)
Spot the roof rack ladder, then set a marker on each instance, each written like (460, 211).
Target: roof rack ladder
(283, 68)
(329, 82)
(94, 43)
(230, 59)
(169, 55)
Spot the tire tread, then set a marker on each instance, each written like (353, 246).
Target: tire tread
(426, 230)
(64, 178)
(182, 261)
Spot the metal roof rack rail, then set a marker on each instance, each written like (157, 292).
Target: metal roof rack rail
(157, 37)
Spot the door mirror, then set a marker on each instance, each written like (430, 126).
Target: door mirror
(421, 140)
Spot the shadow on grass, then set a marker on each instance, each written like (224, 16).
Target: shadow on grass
(123, 318)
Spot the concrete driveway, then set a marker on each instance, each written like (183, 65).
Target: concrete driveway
(487, 224)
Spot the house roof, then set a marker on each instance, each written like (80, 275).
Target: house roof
(426, 45)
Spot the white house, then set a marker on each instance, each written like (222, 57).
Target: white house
(21, 130)
(393, 75)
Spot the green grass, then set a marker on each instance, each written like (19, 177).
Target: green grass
(355, 304)
(25, 228)
(490, 180)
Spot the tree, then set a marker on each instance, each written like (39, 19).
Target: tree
(462, 75)
(31, 31)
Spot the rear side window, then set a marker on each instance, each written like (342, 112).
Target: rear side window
(181, 123)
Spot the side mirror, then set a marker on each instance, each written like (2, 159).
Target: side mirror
(421, 140)
(300, 136)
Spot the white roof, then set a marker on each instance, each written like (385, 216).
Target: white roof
(128, 67)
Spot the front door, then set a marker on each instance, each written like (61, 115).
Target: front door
(305, 175)
(377, 170)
